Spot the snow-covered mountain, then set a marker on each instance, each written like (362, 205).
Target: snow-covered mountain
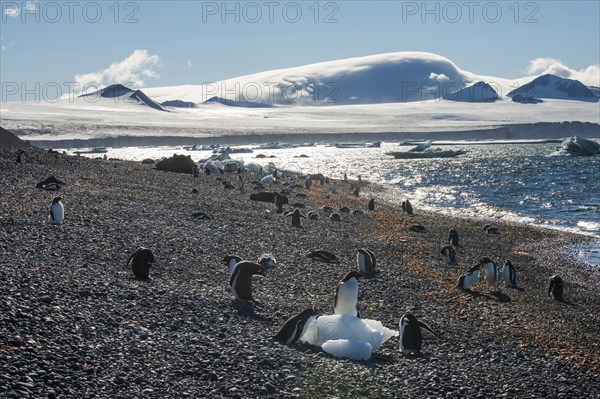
(119, 93)
(552, 86)
(480, 92)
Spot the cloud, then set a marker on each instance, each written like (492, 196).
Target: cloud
(540, 66)
(12, 11)
(439, 77)
(189, 64)
(133, 70)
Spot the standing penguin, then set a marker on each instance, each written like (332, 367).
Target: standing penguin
(453, 238)
(411, 338)
(334, 188)
(555, 289)
(140, 262)
(21, 156)
(241, 279)
(509, 274)
(407, 207)
(296, 218)
(449, 255)
(356, 191)
(366, 261)
(57, 212)
(240, 183)
(307, 183)
(345, 177)
(371, 205)
(466, 281)
(346, 296)
(490, 272)
(279, 202)
(295, 327)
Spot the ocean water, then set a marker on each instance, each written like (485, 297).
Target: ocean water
(516, 182)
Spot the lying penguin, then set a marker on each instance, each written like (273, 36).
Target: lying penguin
(466, 281)
(295, 327)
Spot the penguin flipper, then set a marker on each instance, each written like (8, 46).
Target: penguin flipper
(425, 326)
(52, 215)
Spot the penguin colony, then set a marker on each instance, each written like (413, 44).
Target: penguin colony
(346, 296)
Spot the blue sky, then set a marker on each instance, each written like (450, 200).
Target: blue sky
(191, 42)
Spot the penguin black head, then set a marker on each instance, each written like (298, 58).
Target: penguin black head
(485, 260)
(56, 200)
(227, 259)
(352, 274)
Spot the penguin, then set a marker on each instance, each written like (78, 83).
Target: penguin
(240, 183)
(57, 212)
(449, 255)
(307, 183)
(227, 185)
(268, 179)
(279, 201)
(327, 209)
(488, 228)
(51, 187)
(195, 171)
(335, 217)
(267, 260)
(490, 272)
(356, 191)
(411, 338)
(407, 207)
(555, 288)
(295, 327)
(230, 261)
(453, 238)
(312, 215)
(296, 218)
(509, 274)
(366, 261)
(323, 256)
(371, 205)
(21, 156)
(344, 209)
(417, 228)
(140, 262)
(466, 281)
(200, 216)
(334, 188)
(346, 296)
(357, 212)
(345, 177)
(195, 191)
(359, 180)
(241, 279)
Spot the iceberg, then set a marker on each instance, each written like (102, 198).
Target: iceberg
(355, 350)
(579, 146)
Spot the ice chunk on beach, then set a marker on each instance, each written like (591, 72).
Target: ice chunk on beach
(335, 327)
(355, 350)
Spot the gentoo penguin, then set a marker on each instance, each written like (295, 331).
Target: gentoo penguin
(279, 201)
(345, 177)
(51, 187)
(411, 338)
(466, 281)
(307, 183)
(346, 296)
(327, 209)
(449, 255)
(407, 207)
(555, 289)
(335, 217)
(296, 218)
(509, 274)
(57, 212)
(417, 228)
(200, 216)
(140, 262)
(295, 327)
(344, 209)
(267, 260)
(490, 272)
(488, 228)
(230, 261)
(371, 205)
(323, 256)
(453, 238)
(312, 215)
(21, 156)
(240, 183)
(366, 261)
(356, 191)
(241, 279)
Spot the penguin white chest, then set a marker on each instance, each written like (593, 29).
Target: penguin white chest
(58, 214)
(470, 279)
(490, 273)
(347, 297)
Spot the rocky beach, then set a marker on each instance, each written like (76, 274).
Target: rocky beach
(75, 323)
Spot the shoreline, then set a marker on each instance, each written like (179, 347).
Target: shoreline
(78, 324)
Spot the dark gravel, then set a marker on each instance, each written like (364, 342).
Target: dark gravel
(75, 323)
